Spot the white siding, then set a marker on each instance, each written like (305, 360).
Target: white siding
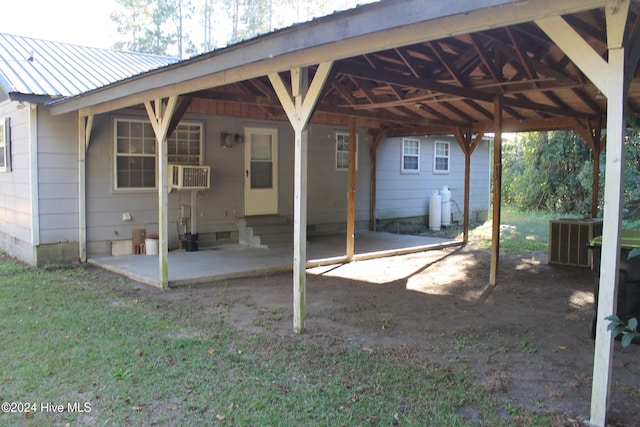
(219, 208)
(327, 199)
(58, 177)
(405, 195)
(15, 188)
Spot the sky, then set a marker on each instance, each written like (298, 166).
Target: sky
(82, 22)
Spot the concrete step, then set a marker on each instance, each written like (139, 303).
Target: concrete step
(266, 231)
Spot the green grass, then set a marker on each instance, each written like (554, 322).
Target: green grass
(520, 232)
(74, 336)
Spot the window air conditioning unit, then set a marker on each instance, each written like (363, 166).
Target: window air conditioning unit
(189, 177)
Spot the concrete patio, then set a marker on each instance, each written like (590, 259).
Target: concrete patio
(235, 261)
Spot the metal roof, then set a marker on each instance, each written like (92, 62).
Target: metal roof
(32, 68)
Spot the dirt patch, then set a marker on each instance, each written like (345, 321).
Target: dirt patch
(527, 339)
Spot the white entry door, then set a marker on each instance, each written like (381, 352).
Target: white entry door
(261, 171)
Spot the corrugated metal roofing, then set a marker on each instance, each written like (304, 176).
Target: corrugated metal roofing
(35, 67)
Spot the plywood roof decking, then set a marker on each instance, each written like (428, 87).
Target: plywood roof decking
(439, 85)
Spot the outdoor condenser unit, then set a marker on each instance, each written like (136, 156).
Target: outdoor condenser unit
(189, 177)
(569, 239)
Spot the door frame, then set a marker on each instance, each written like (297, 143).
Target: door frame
(260, 201)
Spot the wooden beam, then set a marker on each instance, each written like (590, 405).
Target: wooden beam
(351, 190)
(299, 105)
(378, 137)
(160, 118)
(576, 48)
(497, 190)
(457, 91)
(85, 125)
(453, 71)
(591, 132)
(468, 146)
(181, 109)
(616, 14)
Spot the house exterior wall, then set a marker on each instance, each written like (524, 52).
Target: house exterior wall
(405, 196)
(217, 210)
(327, 197)
(17, 236)
(57, 187)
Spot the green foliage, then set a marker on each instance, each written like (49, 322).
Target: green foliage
(628, 330)
(549, 171)
(154, 26)
(553, 172)
(169, 27)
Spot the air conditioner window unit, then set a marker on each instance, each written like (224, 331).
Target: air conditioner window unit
(189, 177)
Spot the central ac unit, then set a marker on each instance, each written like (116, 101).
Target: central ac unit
(188, 177)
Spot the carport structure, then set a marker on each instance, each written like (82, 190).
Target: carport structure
(415, 67)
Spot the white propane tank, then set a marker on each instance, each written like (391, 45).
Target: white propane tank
(445, 193)
(435, 209)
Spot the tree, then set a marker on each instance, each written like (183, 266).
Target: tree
(208, 42)
(154, 26)
(132, 23)
(156, 39)
(548, 171)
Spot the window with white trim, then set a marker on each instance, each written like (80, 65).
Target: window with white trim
(441, 157)
(136, 155)
(185, 144)
(5, 145)
(342, 151)
(410, 155)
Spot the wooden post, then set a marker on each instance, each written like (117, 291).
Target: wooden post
(468, 147)
(300, 231)
(351, 190)
(612, 218)
(610, 78)
(592, 135)
(595, 187)
(299, 105)
(85, 125)
(160, 118)
(497, 190)
(377, 139)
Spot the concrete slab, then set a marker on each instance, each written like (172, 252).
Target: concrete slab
(234, 261)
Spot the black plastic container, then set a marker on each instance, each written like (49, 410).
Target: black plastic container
(190, 242)
(628, 302)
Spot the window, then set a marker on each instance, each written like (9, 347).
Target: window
(185, 144)
(410, 155)
(135, 151)
(5, 145)
(342, 151)
(441, 157)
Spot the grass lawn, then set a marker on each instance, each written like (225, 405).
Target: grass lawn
(84, 348)
(519, 232)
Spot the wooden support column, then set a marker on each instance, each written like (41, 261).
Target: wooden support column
(373, 180)
(85, 125)
(299, 104)
(468, 146)
(592, 134)
(610, 76)
(497, 190)
(351, 191)
(160, 117)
